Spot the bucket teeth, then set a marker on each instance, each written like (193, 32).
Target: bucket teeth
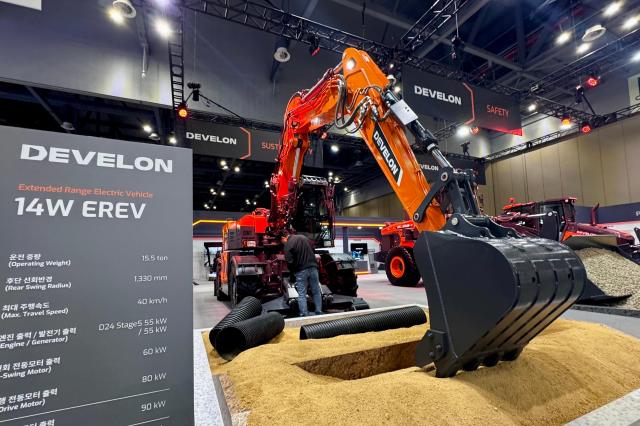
(488, 297)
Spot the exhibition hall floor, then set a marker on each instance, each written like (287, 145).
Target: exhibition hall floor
(377, 291)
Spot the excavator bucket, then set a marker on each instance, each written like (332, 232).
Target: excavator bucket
(490, 292)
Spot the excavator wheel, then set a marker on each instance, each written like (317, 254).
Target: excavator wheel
(400, 267)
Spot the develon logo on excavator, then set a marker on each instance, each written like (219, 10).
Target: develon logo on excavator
(385, 151)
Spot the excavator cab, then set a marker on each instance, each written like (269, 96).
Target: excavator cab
(315, 212)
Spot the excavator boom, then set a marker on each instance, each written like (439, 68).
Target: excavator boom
(489, 290)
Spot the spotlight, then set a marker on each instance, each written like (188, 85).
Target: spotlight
(351, 63)
(475, 130)
(163, 28)
(463, 131)
(563, 37)
(215, 207)
(223, 163)
(391, 66)
(247, 201)
(335, 148)
(195, 90)
(613, 8)
(593, 33)
(173, 140)
(592, 81)
(346, 189)
(255, 203)
(236, 169)
(225, 167)
(583, 48)
(565, 121)
(182, 110)
(636, 57)
(154, 136)
(147, 128)
(330, 174)
(359, 227)
(212, 191)
(206, 206)
(282, 53)
(222, 193)
(314, 45)
(266, 184)
(336, 180)
(585, 127)
(116, 16)
(631, 22)
(396, 89)
(532, 107)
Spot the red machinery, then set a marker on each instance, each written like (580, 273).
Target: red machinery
(490, 290)
(530, 219)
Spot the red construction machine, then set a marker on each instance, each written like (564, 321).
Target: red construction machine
(490, 291)
(557, 218)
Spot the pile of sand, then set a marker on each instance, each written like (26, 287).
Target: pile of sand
(569, 370)
(614, 274)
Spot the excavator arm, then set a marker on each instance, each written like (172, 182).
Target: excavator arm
(490, 291)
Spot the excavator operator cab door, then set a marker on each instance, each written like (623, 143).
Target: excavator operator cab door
(558, 208)
(315, 211)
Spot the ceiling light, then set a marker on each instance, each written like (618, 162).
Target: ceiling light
(463, 131)
(116, 16)
(346, 189)
(613, 8)
(173, 140)
(236, 169)
(212, 191)
(330, 173)
(396, 89)
(247, 201)
(154, 136)
(255, 203)
(391, 66)
(532, 107)
(223, 162)
(359, 227)
(336, 179)
(222, 193)
(182, 110)
(563, 37)
(147, 128)
(351, 63)
(593, 33)
(215, 207)
(163, 28)
(636, 57)
(585, 127)
(565, 121)
(583, 48)
(282, 53)
(592, 81)
(631, 22)
(206, 206)
(314, 45)
(225, 167)
(266, 184)
(335, 148)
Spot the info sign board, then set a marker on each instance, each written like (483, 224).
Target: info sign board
(454, 100)
(226, 141)
(95, 295)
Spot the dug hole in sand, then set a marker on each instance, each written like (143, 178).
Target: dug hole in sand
(571, 369)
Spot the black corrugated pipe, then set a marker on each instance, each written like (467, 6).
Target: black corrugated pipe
(248, 334)
(378, 321)
(248, 307)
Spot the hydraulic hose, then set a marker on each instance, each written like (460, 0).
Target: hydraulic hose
(378, 321)
(247, 334)
(248, 307)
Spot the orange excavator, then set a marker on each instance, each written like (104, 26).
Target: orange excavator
(489, 290)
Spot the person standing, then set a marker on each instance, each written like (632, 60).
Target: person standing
(301, 259)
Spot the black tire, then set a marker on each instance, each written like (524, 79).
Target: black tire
(401, 268)
(217, 287)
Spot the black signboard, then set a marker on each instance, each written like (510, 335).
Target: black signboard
(431, 169)
(461, 102)
(96, 305)
(222, 140)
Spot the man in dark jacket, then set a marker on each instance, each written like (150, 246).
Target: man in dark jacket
(301, 260)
